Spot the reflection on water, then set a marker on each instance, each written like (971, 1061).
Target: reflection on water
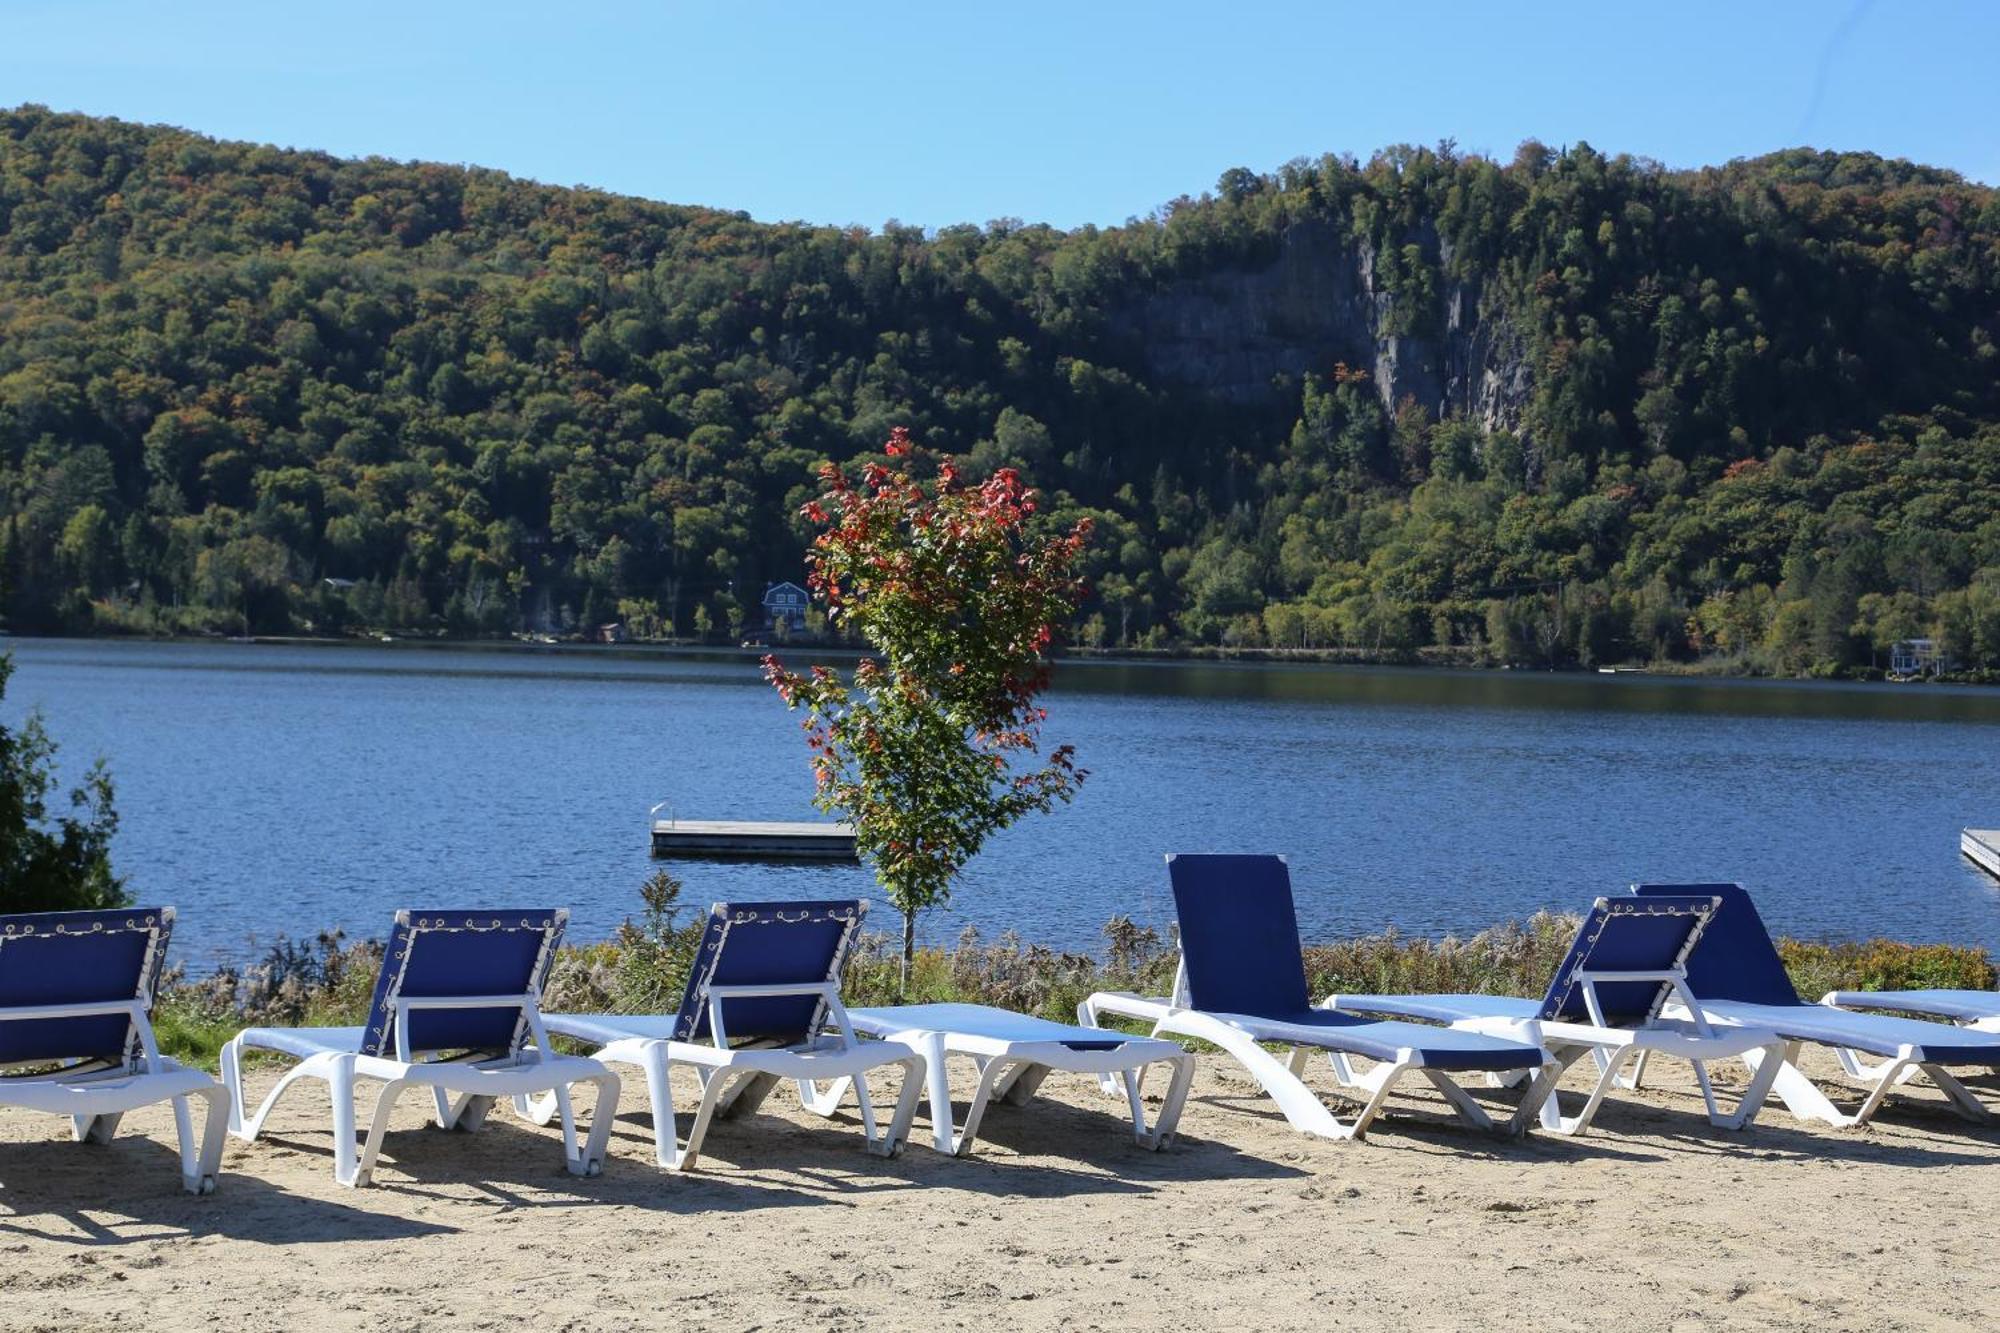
(271, 790)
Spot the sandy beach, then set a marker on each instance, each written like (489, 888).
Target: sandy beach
(1060, 1221)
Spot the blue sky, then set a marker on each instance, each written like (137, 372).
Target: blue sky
(1066, 113)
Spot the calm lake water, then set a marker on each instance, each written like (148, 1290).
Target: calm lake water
(273, 790)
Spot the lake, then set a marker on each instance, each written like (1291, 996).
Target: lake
(269, 790)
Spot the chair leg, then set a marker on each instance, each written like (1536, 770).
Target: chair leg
(1379, 1080)
(1962, 1100)
(95, 1128)
(1022, 1082)
(1086, 1016)
(1796, 1091)
(200, 1161)
(746, 1095)
(1611, 1066)
(1763, 1075)
(659, 1090)
(1461, 1101)
(471, 1112)
(909, 1091)
(714, 1084)
(982, 1094)
(378, 1125)
(823, 1101)
(1638, 1073)
(232, 1081)
(1167, 1123)
(340, 1086)
(937, 1095)
(602, 1112)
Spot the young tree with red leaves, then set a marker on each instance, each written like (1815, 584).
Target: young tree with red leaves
(936, 742)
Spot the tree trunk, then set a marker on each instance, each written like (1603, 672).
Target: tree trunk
(909, 954)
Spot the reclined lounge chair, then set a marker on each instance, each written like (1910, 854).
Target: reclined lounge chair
(457, 1009)
(1736, 977)
(1013, 1053)
(76, 992)
(1604, 1001)
(762, 1004)
(1242, 982)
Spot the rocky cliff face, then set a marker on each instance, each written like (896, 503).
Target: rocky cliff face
(1237, 332)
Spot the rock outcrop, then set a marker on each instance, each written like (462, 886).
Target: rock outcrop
(1242, 333)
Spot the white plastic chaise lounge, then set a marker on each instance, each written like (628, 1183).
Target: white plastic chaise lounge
(457, 1010)
(1736, 977)
(1975, 1009)
(76, 992)
(762, 1004)
(1012, 1053)
(1242, 982)
(1605, 1000)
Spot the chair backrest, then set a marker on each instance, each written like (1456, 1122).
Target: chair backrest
(1735, 958)
(60, 958)
(449, 953)
(800, 943)
(1651, 934)
(1239, 934)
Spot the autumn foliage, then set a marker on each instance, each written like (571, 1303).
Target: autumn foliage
(936, 741)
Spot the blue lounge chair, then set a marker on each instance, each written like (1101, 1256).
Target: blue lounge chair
(457, 1010)
(1737, 977)
(1605, 1001)
(76, 993)
(762, 1004)
(1242, 981)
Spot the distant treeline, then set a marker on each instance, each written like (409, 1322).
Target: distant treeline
(1749, 413)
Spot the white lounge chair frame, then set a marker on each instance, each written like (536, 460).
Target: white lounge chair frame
(1012, 1070)
(734, 1081)
(1242, 1035)
(96, 1094)
(463, 1089)
(1975, 1011)
(96, 1097)
(1802, 1096)
(1692, 1038)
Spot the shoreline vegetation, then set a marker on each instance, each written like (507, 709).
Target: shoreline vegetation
(328, 980)
(753, 651)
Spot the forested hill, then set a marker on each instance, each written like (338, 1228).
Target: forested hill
(1572, 408)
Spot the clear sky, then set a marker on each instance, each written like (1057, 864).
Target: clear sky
(858, 112)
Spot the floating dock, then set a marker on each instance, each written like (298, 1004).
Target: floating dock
(753, 841)
(1982, 847)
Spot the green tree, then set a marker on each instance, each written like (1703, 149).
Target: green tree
(936, 744)
(60, 863)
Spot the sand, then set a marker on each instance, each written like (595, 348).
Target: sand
(1655, 1221)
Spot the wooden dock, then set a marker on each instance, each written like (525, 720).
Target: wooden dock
(753, 841)
(1982, 847)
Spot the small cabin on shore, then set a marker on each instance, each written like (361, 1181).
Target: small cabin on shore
(785, 604)
(1916, 657)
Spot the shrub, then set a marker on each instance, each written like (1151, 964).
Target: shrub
(1818, 966)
